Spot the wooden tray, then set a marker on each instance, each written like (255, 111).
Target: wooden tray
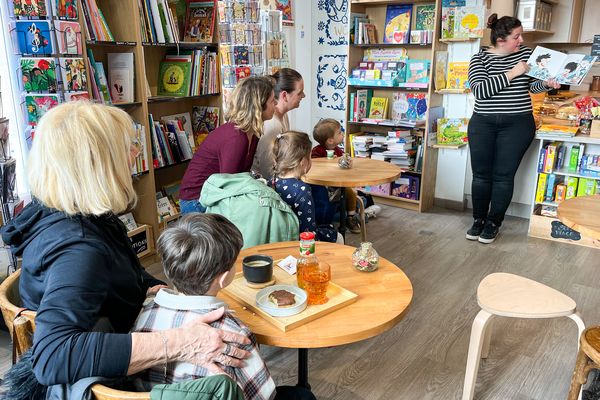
(338, 298)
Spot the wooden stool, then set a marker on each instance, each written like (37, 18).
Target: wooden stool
(588, 358)
(509, 295)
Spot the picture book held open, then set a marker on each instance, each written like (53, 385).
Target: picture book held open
(567, 69)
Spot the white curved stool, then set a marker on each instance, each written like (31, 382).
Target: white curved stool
(509, 295)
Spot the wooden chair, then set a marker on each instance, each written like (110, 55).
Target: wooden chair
(588, 358)
(361, 216)
(513, 296)
(21, 324)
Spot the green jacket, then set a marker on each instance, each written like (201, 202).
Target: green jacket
(217, 387)
(256, 209)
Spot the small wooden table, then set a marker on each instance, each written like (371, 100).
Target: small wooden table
(581, 214)
(364, 172)
(383, 299)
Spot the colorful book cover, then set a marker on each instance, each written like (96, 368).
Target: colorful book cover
(240, 55)
(30, 8)
(121, 77)
(399, 106)
(74, 74)
(452, 131)
(550, 160)
(397, 23)
(363, 101)
(76, 96)
(38, 105)
(572, 183)
(561, 191)
(448, 21)
(103, 83)
(65, 9)
(541, 188)
(574, 158)
(242, 72)
(469, 22)
(205, 119)
(586, 187)
(417, 106)
(568, 69)
(38, 74)
(550, 186)
(33, 37)
(417, 71)
(458, 73)
(68, 37)
(174, 78)
(441, 64)
(200, 21)
(378, 109)
(424, 17)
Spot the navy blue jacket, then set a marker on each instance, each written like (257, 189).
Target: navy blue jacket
(75, 271)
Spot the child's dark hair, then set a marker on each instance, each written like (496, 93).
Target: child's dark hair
(325, 129)
(289, 149)
(542, 57)
(502, 27)
(197, 249)
(572, 66)
(285, 80)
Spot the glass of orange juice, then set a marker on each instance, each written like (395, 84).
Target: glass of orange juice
(316, 280)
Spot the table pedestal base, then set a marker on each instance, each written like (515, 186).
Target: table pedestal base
(303, 368)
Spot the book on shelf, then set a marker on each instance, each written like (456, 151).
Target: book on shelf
(356, 19)
(205, 119)
(363, 102)
(96, 25)
(572, 183)
(29, 9)
(417, 71)
(98, 80)
(550, 187)
(567, 69)
(424, 17)
(406, 187)
(174, 78)
(586, 187)
(200, 21)
(141, 163)
(185, 135)
(121, 77)
(558, 130)
(378, 108)
(172, 192)
(68, 37)
(33, 37)
(439, 73)
(164, 207)
(452, 131)
(574, 157)
(397, 23)
(458, 74)
(38, 74)
(541, 188)
(128, 220)
(367, 33)
(560, 193)
(460, 21)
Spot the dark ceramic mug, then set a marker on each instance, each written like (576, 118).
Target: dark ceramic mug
(258, 268)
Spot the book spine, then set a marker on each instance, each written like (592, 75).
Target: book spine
(160, 36)
(550, 157)
(560, 157)
(163, 22)
(550, 187)
(541, 188)
(351, 114)
(580, 156)
(541, 160)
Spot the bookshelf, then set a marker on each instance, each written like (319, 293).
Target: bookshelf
(376, 11)
(542, 225)
(123, 19)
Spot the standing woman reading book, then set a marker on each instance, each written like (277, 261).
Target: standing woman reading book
(502, 126)
(80, 273)
(289, 91)
(230, 148)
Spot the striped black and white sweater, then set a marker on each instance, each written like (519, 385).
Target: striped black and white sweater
(494, 93)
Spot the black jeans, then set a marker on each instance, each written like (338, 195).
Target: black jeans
(497, 143)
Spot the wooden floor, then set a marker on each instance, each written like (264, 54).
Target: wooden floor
(424, 356)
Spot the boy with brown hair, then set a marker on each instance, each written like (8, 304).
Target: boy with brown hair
(328, 133)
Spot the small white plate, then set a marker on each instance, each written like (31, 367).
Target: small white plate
(262, 301)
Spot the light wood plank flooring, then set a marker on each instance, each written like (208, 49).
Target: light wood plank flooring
(424, 356)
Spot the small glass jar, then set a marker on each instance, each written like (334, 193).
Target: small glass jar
(365, 258)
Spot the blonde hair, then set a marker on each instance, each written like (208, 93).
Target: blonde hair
(325, 129)
(79, 161)
(289, 150)
(247, 103)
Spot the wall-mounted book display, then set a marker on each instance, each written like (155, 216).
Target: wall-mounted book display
(460, 21)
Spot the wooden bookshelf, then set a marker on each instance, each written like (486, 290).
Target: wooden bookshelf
(376, 10)
(122, 17)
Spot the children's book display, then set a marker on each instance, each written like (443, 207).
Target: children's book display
(397, 23)
(461, 20)
(162, 21)
(200, 21)
(188, 73)
(458, 73)
(390, 68)
(568, 69)
(241, 47)
(96, 26)
(205, 119)
(452, 131)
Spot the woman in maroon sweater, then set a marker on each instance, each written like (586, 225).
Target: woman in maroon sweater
(230, 148)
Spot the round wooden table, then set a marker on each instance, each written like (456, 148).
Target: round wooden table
(581, 214)
(383, 299)
(364, 172)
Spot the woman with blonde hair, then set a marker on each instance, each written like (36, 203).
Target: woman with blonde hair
(80, 273)
(230, 148)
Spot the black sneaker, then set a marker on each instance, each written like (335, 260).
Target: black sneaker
(490, 232)
(476, 229)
